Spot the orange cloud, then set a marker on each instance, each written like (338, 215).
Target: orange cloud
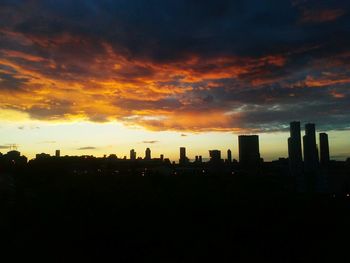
(71, 81)
(190, 121)
(323, 82)
(337, 95)
(22, 55)
(113, 87)
(320, 16)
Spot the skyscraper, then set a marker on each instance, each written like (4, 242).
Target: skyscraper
(183, 157)
(294, 149)
(148, 154)
(132, 154)
(215, 155)
(58, 153)
(249, 154)
(310, 148)
(229, 156)
(324, 149)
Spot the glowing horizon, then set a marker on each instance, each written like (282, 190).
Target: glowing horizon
(88, 138)
(151, 71)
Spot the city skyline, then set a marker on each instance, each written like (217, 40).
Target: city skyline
(115, 75)
(321, 147)
(174, 130)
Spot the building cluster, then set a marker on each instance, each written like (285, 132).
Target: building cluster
(314, 157)
(305, 156)
(249, 153)
(308, 162)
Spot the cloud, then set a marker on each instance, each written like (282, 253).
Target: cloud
(150, 142)
(30, 127)
(5, 147)
(87, 148)
(321, 16)
(177, 65)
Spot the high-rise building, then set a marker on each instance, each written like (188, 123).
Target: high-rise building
(324, 149)
(249, 153)
(58, 153)
(215, 155)
(182, 152)
(148, 154)
(183, 157)
(229, 156)
(132, 155)
(310, 148)
(294, 149)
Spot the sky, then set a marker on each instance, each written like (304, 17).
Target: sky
(105, 76)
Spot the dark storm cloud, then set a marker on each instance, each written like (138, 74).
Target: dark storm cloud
(52, 109)
(162, 104)
(11, 82)
(168, 30)
(275, 117)
(262, 62)
(271, 107)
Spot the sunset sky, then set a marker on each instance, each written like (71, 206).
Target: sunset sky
(105, 76)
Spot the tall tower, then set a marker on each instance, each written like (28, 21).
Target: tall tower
(310, 148)
(229, 156)
(58, 153)
(148, 154)
(183, 157)
(132, 155)
(324, 149)
(249, 153)
(294, 149)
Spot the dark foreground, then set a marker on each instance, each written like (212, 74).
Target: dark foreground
(170, 219)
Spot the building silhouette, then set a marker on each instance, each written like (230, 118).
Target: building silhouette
(183, 158)
(294, 149)
(215, 155)
(132, 155)
(198, 159)
(41, 156)
(148, 154)
(324, 149)
(58, 153)
(310, 149)
(229, 156)
(14, 157)
(249, 153)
